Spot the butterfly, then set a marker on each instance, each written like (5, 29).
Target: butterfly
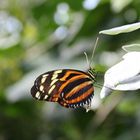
(69, 87)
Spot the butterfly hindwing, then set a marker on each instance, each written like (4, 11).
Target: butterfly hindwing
(70, 88)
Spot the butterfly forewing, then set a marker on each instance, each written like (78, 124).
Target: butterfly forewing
(70, 88)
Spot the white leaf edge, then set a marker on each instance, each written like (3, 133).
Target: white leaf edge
(131, 47)
(121, 29)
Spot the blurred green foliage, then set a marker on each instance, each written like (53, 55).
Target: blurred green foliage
(62, 30)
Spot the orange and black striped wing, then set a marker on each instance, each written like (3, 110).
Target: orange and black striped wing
(70, 88)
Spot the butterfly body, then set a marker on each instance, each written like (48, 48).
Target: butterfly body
(70, 88)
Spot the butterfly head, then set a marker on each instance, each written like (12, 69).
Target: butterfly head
(92, 73)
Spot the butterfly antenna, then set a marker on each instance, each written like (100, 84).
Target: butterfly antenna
(95, 45)
(87, 58)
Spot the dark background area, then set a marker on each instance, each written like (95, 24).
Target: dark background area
(41, 35)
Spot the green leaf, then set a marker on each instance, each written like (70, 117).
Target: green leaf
(131, 47)
(121, 29)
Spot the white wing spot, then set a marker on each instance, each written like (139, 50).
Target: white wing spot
(55, 80)
(62, 94)
(41, 88)
(45, 75)
(51, 89)
(58, 71)
(37, 95)
(46, 96)
(74, 106)
(54, 76)
(43, 80)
